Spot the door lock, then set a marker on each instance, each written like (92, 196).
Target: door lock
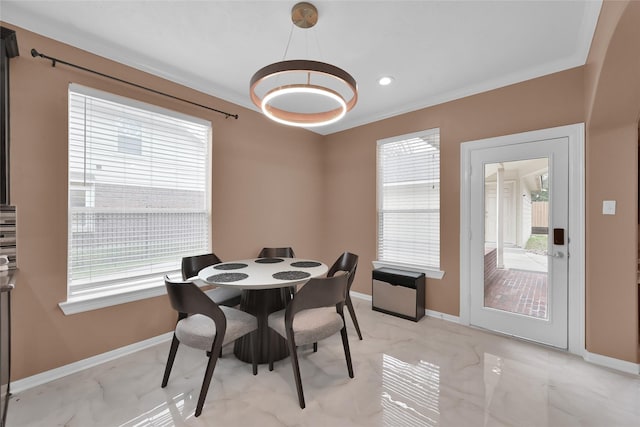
(558, 236)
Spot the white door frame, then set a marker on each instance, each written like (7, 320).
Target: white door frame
(575, 241)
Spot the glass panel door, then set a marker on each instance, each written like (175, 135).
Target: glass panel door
(516, 229)
(518, 256)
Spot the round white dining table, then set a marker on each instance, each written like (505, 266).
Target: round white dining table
(262, 273)
(267, 286)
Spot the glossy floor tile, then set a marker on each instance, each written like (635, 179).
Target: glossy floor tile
(430, 373)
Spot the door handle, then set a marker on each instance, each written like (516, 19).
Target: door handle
(557, 255)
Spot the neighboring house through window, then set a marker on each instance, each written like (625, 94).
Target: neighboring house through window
(130, 136)
(409, 201)
(138, 193)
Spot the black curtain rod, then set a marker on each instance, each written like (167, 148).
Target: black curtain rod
(35, 53)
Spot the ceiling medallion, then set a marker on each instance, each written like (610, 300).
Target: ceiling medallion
(303, 93)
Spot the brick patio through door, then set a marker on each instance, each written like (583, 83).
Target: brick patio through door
(516, 291)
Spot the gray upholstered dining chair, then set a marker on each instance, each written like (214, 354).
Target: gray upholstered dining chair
(277, 252)
(205, 325)
(315, 313)
(191, 265)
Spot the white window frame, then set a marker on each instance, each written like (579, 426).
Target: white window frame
(430, 271)
(94, 296)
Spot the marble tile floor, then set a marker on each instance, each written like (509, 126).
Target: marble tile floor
(430, 373)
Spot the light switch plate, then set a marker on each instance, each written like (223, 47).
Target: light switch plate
(608, 207)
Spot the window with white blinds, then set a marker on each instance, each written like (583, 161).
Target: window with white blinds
(409, 200)
(138, 192)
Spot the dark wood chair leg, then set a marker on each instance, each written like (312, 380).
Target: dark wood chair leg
(293, 354)
(254, 351)
(213, 358)
(352, 312)
(172, 356)
(270, 345)
(347, 353)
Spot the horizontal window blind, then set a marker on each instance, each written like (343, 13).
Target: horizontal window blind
(138, 191)
(409, 199)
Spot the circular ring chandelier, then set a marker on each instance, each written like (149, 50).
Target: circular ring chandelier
(307, 77)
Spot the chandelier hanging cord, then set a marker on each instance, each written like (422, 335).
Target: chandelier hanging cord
(54, 61)
(286, 49)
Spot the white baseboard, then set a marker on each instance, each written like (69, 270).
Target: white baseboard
(443, 316)
(610, 362)
(54, 374)
(430, 313)
(361, 296)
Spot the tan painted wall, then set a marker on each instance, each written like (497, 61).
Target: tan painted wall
(545, 102)
(613, 108)
(265, 177)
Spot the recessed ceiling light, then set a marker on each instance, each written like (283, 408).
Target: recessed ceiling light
(385, 80)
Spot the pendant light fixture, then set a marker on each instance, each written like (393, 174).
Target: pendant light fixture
(303, 93)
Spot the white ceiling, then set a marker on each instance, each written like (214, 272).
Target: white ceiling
(437, 51)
